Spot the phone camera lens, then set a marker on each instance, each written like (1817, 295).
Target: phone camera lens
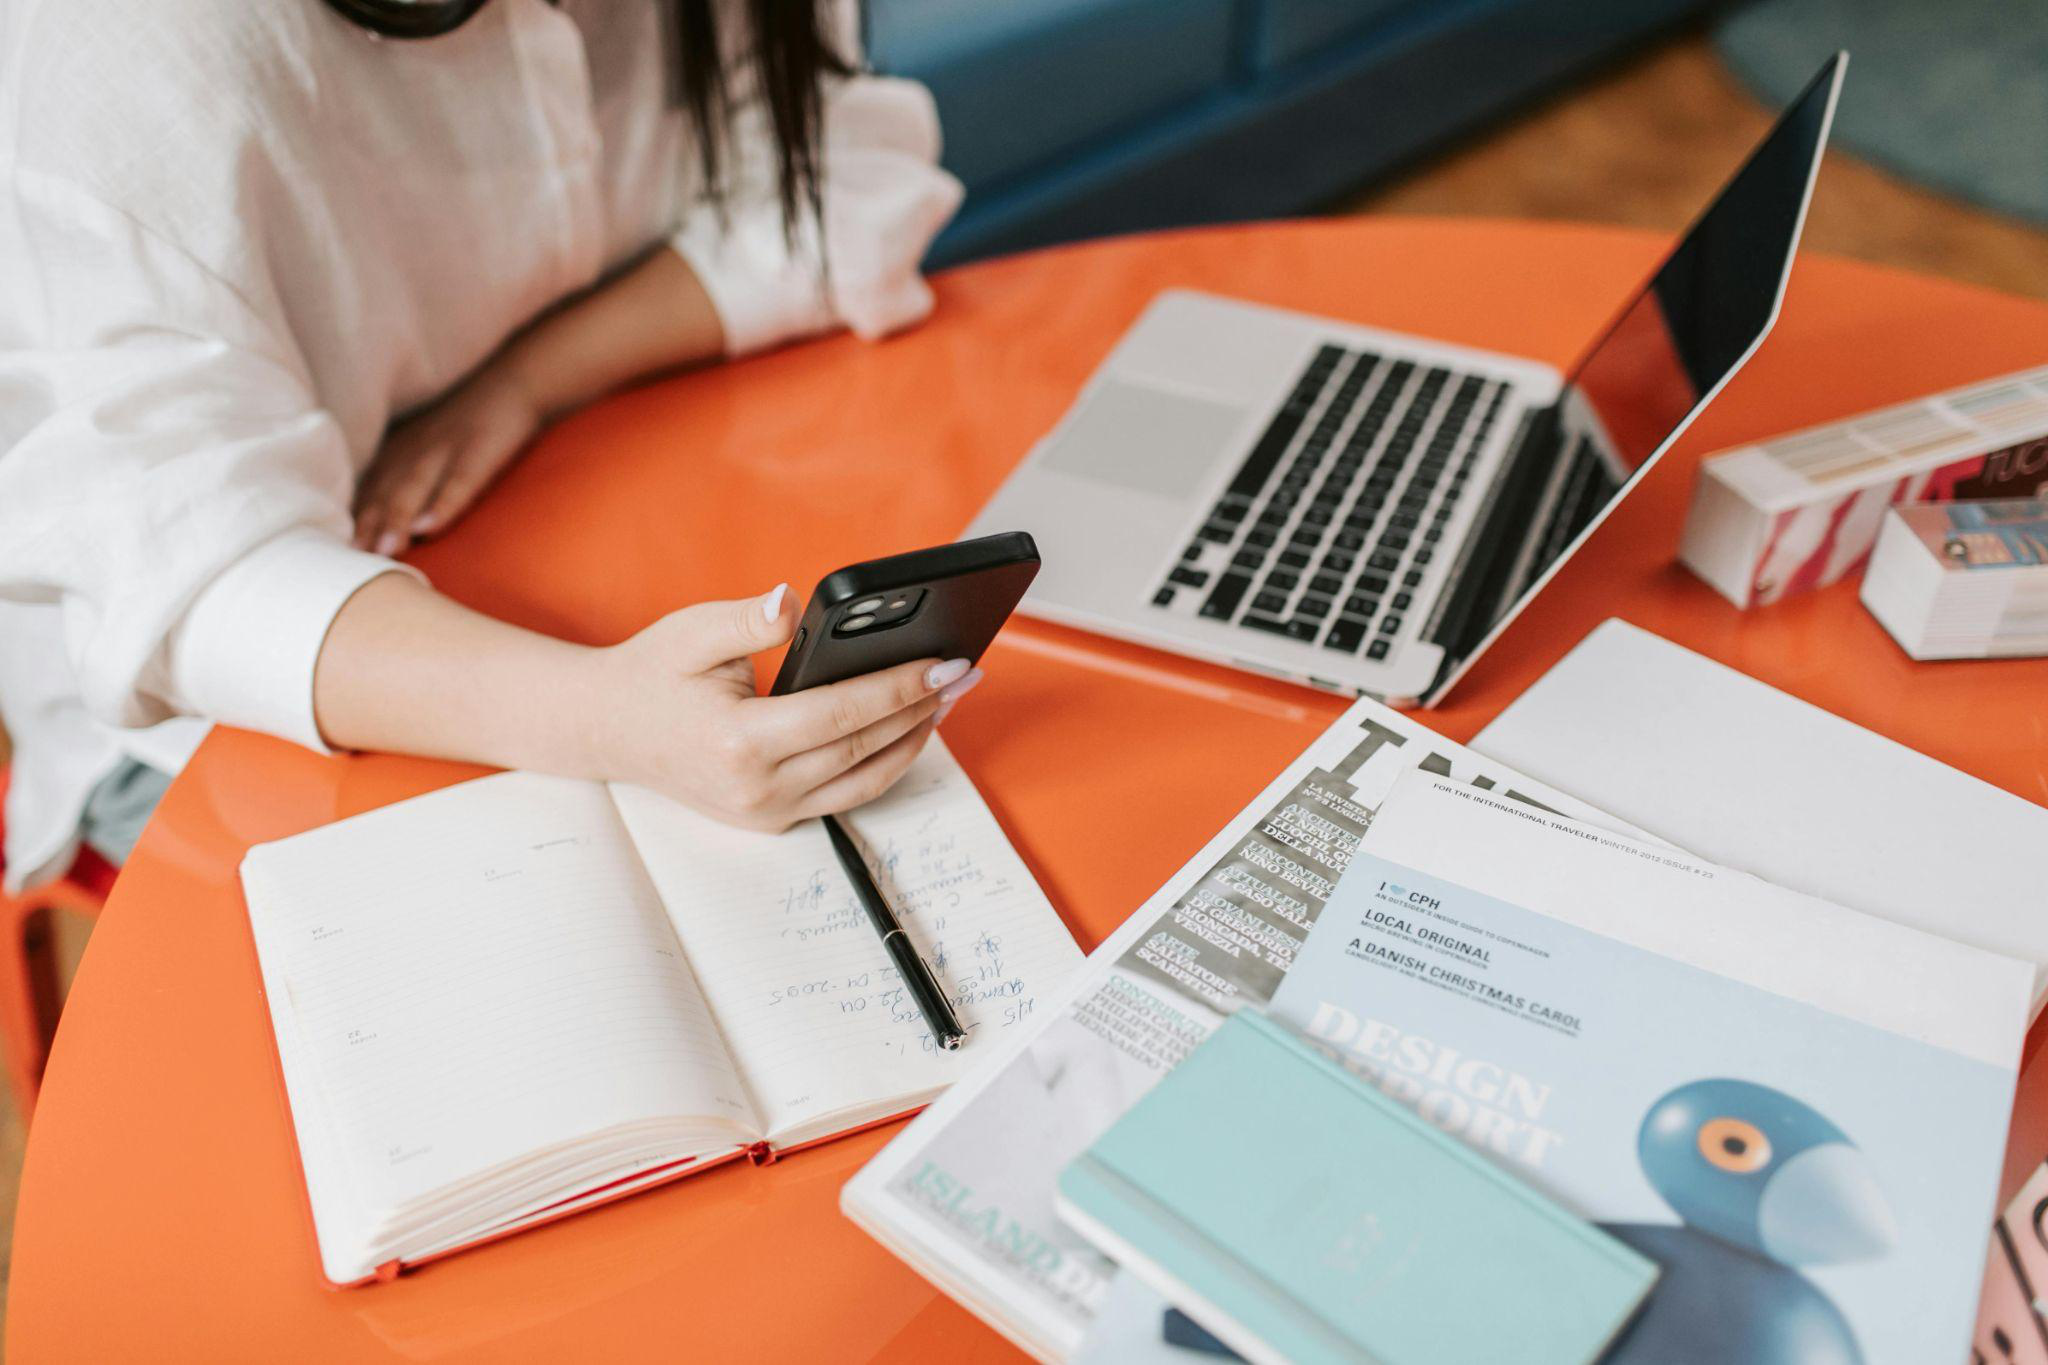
(861, 622)
(867, 607)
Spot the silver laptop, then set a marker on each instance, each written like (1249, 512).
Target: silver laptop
(1363, 510)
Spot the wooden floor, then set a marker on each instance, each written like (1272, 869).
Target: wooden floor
(1645, 143)
(1648, 142)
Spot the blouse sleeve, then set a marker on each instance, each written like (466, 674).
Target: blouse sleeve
(884, 199)
(166, 475)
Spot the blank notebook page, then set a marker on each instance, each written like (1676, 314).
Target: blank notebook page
(475, 976)
(797, 977)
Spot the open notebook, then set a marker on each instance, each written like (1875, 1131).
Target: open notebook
(517, 996)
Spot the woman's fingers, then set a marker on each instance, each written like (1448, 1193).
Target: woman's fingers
(868, 779)
(466, 479)
(395, 493)
(702, 638)
(806, 771)
(409, 493)
(819, 716)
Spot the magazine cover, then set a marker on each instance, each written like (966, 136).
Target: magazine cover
(1797, 1111)
(1983, 535)
(965, 1193)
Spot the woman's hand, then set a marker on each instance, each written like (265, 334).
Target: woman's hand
(436, 463)
(656, 316)
(681, 716)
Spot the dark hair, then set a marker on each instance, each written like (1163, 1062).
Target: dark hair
(791, 56)
(784, 42)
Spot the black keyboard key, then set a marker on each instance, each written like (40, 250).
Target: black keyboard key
(1219, 535)
(1394, 541)
(1316, 516)
(1163, 598)
(1273, 516)
(1377, 649)
(1317, 607)
(1193, 551)
(1304, 535)
(1270, 602)
(1298, 630)
(1433, 535)
(1293, 559)
(1345, 635)
(1389, 624)
(1327, 584)
(1338, 562)
(1281, 580)
(1384, 562)
(1258, 466)
(1423, 556)
(1346, 540)
(1259, 539)
(1372, 583)
(1413, 578)
(1231, 515)
(1188, 578)
(1361, 604)
(1228, 592)
(1402, 599)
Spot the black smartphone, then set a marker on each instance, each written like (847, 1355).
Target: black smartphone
(947, 602)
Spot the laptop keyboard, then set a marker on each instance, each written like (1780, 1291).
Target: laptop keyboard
(1329, 527)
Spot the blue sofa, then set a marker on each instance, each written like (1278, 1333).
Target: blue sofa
(1075, 118)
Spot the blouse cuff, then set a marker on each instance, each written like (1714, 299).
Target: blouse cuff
(245, 650)
(884, 200)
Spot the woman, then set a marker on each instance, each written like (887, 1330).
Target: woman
(237, 240)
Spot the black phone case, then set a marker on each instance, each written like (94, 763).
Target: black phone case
(971, 589)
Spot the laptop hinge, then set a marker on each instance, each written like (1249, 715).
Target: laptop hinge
(1479, 579)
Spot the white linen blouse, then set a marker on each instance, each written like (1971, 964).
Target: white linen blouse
(237, 239)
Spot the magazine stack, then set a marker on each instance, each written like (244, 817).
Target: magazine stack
(1966, 580)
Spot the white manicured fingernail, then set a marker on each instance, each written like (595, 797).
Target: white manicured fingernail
(771, 605)
(423, 524)
(938, 675)
(967, 683)
(390, 543)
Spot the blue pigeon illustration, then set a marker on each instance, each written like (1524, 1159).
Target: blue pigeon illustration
(1762, 1184)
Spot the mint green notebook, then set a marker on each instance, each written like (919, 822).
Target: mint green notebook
(1302, 1216)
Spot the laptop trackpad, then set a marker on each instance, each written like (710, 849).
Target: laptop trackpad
(1143, 438)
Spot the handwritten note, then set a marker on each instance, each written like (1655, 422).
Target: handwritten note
(812, 1010)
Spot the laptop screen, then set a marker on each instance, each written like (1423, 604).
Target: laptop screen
(1670, 347)
(1711, 301)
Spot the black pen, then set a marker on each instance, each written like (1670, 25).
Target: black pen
(924, 987)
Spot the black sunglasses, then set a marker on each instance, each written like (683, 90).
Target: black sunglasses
(407, 18)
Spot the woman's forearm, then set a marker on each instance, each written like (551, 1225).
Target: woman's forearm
(407, 670)
(654, 317)
(672, 708)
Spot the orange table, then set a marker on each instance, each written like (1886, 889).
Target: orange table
(162, 1215)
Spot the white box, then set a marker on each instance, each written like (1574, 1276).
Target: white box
(1802, 510)
(1963, 580)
